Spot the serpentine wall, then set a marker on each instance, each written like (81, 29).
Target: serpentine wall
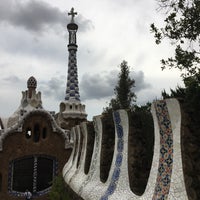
(105, 159)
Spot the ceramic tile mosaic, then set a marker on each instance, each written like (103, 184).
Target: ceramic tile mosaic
(115, 176)
(166, 152)
(166, 181)
(94, 170)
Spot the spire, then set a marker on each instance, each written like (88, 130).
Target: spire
(72, 111)
(72, 89)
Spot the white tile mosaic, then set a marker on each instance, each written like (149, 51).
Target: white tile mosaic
(166, 181)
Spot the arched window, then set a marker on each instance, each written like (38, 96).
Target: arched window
(22, 174)
(34, 173)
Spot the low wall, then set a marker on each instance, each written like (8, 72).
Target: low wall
(107, 171)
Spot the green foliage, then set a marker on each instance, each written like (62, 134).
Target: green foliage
(123, 91)
(190, 96)
(182, 27)
(58, 190)
(143, 108)
(124, 96)
(141, 143)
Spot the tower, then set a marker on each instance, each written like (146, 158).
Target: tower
(31, 100)
(72, 111)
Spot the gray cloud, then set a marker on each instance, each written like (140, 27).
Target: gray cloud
(55, 88)
(98, 86)
(13, 81)
(36, 16)
(140, 83)
(92, 86)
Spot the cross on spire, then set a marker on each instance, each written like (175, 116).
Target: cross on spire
(72, 13)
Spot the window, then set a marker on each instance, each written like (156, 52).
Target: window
(23, 173)
(34, 173)
(44, 173)
(28, 133)
(36, 133)
(44, 133)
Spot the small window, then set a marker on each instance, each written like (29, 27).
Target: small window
(44, 133)
(76, 107)
(36, 133)
(70, 107)
(28, 133)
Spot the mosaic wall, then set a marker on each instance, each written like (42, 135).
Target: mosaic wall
(166, 179)
(116, 173)
(166, 152)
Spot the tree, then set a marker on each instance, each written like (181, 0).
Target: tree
(143, 108)
(182, 27)
(124, 95)
(58, 190)
(189, 95)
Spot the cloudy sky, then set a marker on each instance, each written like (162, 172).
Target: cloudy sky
(33, 42)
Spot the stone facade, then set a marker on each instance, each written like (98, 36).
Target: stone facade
(33, 148)
(24, 141)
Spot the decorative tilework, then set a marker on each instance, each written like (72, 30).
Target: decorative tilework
(166, 152)
(163, 183)
(119, 157)
(120, 145)
(72, 90)
(35, 174)
(96, 150)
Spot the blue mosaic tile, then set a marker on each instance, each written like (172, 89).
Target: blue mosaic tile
(119, 158)
(117, 118)
(120, 145)
(111, 188)
(116, 174)
(104, 197)
(119, 132)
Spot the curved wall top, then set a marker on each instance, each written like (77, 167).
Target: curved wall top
(166, 180)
